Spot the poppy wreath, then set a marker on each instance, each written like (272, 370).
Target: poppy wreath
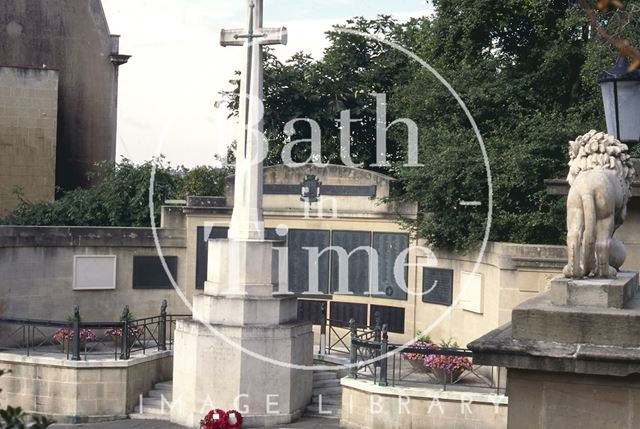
(218, 419)
(234, 419)
(215, 419)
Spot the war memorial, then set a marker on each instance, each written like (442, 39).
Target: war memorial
(313, 294)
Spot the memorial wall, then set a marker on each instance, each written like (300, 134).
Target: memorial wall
(45, 271)
(103, 269)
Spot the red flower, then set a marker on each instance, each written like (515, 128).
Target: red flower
(234, 419)
(215, 419)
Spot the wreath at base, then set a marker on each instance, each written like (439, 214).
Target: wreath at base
(219, 419)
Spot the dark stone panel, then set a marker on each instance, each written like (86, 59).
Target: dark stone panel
(439, 283)
(349, 190)
(271, 234)
(358, 279)
(333, 190)
(392, 316)
(148, 272)
(342, 312)
(282, 189)
(389, 246)
(299, 267)
(310, 311)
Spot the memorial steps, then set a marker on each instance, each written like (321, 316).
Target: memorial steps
(327, 395)
(326, 391)
(157, 404)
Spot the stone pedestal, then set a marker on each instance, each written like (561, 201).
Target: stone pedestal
(572, 354)
(237, 350)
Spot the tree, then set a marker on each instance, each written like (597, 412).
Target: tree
(121, 196)
(203, 181)
(527, 72)
(352, 69)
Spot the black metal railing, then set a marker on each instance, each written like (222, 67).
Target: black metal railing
(396, 365)
(335, 335)
(79, 340)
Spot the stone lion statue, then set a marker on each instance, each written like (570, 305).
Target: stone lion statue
(600, 177)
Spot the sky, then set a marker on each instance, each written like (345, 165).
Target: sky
(168, 90)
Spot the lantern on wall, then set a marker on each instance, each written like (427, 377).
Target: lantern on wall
(621, 96)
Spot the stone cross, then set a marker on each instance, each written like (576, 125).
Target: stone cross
(247, 221)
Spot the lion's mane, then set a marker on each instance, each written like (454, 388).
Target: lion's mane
(598, 150)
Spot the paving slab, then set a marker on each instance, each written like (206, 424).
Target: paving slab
(304, 423)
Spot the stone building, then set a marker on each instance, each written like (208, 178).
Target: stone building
(72, 38)
(29, 109)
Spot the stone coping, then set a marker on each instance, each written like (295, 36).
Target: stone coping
(87, 236)
(499, 348)
(65, 363)
(423, 392)
(514, 256)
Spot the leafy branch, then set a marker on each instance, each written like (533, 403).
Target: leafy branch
(624, 47)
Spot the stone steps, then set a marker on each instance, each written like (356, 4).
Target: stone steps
(330, 411)
(326, 391)
(157, 404)
(327, 400)
(327, 395)
(168, 395)
(324, 375)
(326, 383)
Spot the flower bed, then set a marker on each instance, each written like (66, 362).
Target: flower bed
(447, 369)
(65, 336)
(416, 360)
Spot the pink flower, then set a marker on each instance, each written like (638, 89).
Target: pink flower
(418, 345)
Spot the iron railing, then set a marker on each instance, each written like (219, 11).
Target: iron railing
(38, 337)
(389, 364)
(335, 335)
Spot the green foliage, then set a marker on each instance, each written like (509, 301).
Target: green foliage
(424, 337)
(121, 196)
(15, 418)
(527, 72)
(521, 68)
(203, 181)
(351, 70)
(451, 343)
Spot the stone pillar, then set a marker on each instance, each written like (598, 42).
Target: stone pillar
(238, 311)
(572, 354)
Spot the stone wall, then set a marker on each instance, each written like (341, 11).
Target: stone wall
(36, 272)
(367, 406)
(77, 392)
(509, 275)
(560, 400)
(28, 125)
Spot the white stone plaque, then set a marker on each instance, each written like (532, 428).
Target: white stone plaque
(471, 292)
(94, 272)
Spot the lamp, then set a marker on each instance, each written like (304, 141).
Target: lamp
(621, 96)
